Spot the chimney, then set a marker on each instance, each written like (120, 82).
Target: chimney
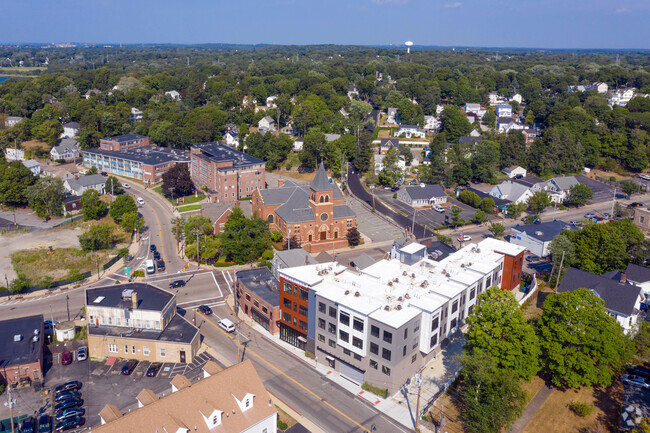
(280, 182)
(134, 300)
(623, 277)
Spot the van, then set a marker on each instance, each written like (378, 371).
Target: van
(150, 267)
(140, 200)
(227, 325)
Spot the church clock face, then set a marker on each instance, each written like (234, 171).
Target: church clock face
(323, 217)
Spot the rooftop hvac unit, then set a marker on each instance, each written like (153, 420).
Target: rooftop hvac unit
(399, 306)
(407, 296)
(399, 299)
(413, 275)
(396, 280)
(35, 338)
(390, 283)
(18, 338)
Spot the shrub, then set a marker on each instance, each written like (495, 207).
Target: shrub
(282, 425)
(612, 178)
(267, 255)
(395, 195)
(288, 166)
(276, 236)
(469, 198)
(123, 252)
(139, 273)
(310, 355)
(74, 275)
(581, 409)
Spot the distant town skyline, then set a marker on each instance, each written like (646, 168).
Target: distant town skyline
(552, 24)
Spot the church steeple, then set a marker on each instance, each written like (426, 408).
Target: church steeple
(321, 181)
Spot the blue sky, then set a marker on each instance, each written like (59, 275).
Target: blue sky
(480, 23)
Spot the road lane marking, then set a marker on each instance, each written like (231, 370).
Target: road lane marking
(248, 350)
(162, 241)
(226, 280)
(215, 282)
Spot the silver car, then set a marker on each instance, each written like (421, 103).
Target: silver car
(82, 353)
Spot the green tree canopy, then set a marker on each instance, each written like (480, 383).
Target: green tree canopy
(177, 181)
(539, 201)
(14, 180)
(46, 196)
(579, 194)
(454, 123)
(112, 186)
(92, 206)
(131, 221)
(497, 230)
(98, 237)
(243, 240)
(122, 204)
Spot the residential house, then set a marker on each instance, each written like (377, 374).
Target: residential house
(67, 149)
(511, 191)
(621, 97)
(70, 130)
(12, 121)
(385, 144)
(297, 144)
(437, 250)
(332, 137)
(271, 102)
(174, 95)
(290, 259)
(379, 163)
(472, 107)
(514, 171)
(218, 213)
(431, 123)
(530, 134)
(71, 204)
(472, 118)
(91, 92)
(362, 261)
(266, 124)
(601, 87)
(259, 298)
(344, 113)
(21, 350)
(353, 92)
(13, 154)
(507, 124)
(138, 321)
(642, 219)
(80, 185)
(289, 129)
(33, 166)
(536, 238)
(558, 188)
(639, 275)
(622, 299)
(259, 108)
(495, 98)
(231, 138)
(503, 110)
(411, 131)
(136, 115)
(233, 400)
(423, 195)
(516, 97)
(315, 216)
(392, 115)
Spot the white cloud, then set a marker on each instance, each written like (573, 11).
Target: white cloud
(452, 5)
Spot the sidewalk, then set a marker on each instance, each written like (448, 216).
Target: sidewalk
(394, 408)
(531, 409)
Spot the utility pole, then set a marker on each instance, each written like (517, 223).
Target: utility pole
(413, 223)
(198, 254)
(417, 405)
(10, 403)
(613, 201)
(289, 240)
(67, 305)
(559, 271)
(97, 268)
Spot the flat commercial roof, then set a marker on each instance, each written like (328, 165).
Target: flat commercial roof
(261, 282)
(149, 297)
(17, 345)
(217, 152)
(149, 155)
(178, 330)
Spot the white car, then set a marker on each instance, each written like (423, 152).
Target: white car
(438, 208)
(140, 200)
(644, 176)
(635, 380)
(226, 325)
(464, 238)
(126, 186)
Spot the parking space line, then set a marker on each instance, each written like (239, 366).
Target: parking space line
(215, 282)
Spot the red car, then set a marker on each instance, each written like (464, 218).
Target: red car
(66, 358)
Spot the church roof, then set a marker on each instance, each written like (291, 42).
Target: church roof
(321, 181)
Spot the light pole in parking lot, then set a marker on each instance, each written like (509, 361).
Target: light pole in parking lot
(67, 305)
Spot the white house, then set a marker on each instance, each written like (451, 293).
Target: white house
(12, 121)
(439, 109)
(297, 145)
(271, 102)
(353, 92)
(12, 154)
(33, 166)
(344, 113)
(514, 171)
(289, 129)
(174, 95)
(601, 87)
(503, 110)
(621, 97)
(136, 115)
(70, 130)
(379, 163)
(266, 123)
(511, 191)
(231, 138)
(558, 187)
(471, 107)
(385, 144)
(392, 115)
(84, 183)
(411, 131)
(517, 97)
(423, 195)
(536, 238)
(431, 123)
(67, 149)
(495, 98)
(640, 276)
(506, 127)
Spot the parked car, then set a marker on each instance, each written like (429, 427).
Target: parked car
(635, 380)
(204, 309)
(639, 370)
(73, 385)
(128, 258)
(67, 404)
(69, 424)
(152, 371)
(152, 247)
(532, 258)
(160, 265)
(66, 358)
(103, 173)
(48, 325)
(129, 367)
(177, 283)
(67, 395)
(590, 215)
(634, 205)
(156, 255)
(82, 353)
(464, 238)
(44, 424)
(644, 176)
(27, 426)
(438, 208)
(607, 216)
(394, 189)
(70, 413)
(574, 223)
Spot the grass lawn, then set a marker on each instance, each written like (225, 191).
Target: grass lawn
(452, 413)
(189, 208)
(286, 418)
(31, 144)
(188, 199)
(555, 415)
(295, 174)
(20, 72)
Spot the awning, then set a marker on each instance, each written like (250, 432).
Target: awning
(302, 339)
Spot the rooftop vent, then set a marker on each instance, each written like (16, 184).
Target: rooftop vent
(400, 299)
(18, 338)
(413, 275)
(407, 296)
(387, 308)
(347, 292)
(399, 306)
(396, 280)
(539, 233)
(357, 294)
(404, 273)
(127, 293)
(390, 283)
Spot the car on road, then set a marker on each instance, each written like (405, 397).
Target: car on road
(67, 395)
(129, 367)
(394, 189)
(204, 309)
(73, 385)
(44, 424)
(70, 413)
(82, 353)
(69, 424)
(103, 173)
(152, 247)
(156, 255)
(48, 325)
(27, 426)
(152, 371)
(438, 208)
(176, 284)
(66, 358)
(635, 380)
(532, 258)
(128, 258)
(464, 238)
(67, 404)
(160, 265)
(126, 186)
(226, 325)
(140, 201)
(590, 215)
(634, 205)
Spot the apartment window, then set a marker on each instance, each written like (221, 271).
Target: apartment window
(321, 338)
(434, 323)
(404, 351)
(302, 310)
(112, 348)
(248, 297)
(145, 350)
(385, 370)
(332, 343)
(331, 328)
(469, 310)
(452, 325)
(302, 325)
(133, 350)
(287, 303)
(641, 219)
(454, 307)
(321, 307)
(373, 364)
(406, 333)
(321, 323)
(472, 293)
(126, 348)
(265, 310)
(356, 356)
(357, 325)
(414, 358)
(304, 294)
(295, 306)
(374, 331)
(332, 312)
(417, 327)
(257, 304)
(434, 340)
(415, 344)
(110, 320)
(385, 353)
(287, 287)
(344, 336)
(163, 352)
(388, 337)
(357, 342)
(488, 282)
(286, 317)
(344, 318)
(374, 348)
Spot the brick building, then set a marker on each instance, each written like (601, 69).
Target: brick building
(122, 142)
(258, 297)
(21, 350)
(227, 174)
(316, 217)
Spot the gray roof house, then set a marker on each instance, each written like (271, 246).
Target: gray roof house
(84, 183)
(622, 299)
(362, 261)
(511, 191)
(423, 195)
(537, 237)
(33, 166)
(68, 148)
(291, 259)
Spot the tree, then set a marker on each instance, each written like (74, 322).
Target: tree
(490, 118)
(454, 123)
(131, 221)
(98, 237)
(92, 170)
(497, 230)
(629, 188)
(14, 180)
(579, 194)
(391, 172)
(177, 181)
(92, 206)
(359, 111)
(487, 205)
(499, 329)
(581, 344)
(113, 186)
(560, 246)
(485, 161)
(46, 196)
(539, 201)
(353, 236)
(516, 209)
(122, 204)
(243, 240)
(197, 224)
(469, 198)
(456, 219)
(313, 148)
(480, 217)
(492, 398)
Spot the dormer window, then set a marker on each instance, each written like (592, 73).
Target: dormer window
(215, 419)
(248, 402)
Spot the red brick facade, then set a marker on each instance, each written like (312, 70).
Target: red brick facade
(123, 142)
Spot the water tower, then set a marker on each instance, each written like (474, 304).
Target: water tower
(408, 44)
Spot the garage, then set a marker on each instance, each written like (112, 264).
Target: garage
(351, 372)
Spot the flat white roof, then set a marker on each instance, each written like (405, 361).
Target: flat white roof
(501, 247)
(413, 248)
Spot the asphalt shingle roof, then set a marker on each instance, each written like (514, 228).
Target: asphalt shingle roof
(548, 229)
(639, 274)
(343, 211)
(321, 181)
(424, 193)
